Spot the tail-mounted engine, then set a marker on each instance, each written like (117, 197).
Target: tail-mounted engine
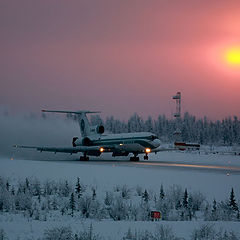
(86, 141)
(97, 129)
(81, 142)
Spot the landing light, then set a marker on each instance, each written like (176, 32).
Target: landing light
(121, 144)
(101, 149)
(147, 150)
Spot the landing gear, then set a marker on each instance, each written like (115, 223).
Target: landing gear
(145, 157)
(84, 157)
(135, 158)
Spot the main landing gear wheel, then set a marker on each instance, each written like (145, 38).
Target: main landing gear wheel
(145, 157)
(84, 158)
(134, 159)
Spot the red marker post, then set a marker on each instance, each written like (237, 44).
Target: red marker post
(156, 215)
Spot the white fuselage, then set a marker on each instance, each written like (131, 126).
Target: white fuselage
(129, 142)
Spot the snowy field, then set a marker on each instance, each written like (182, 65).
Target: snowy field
(106, 175)
(25, 229)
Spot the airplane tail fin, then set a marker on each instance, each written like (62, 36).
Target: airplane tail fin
(82, 119)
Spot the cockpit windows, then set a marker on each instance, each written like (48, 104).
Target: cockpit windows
(153, 137)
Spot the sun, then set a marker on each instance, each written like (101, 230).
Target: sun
(232, 56)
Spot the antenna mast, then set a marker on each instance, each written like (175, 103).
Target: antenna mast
(177, 115)
(177, 97)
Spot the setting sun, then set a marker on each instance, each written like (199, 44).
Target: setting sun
(232, 56)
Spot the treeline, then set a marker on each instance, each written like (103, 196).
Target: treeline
(40, 201)
(198, 130)
(203, 131)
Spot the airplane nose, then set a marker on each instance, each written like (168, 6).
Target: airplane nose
(156, 142)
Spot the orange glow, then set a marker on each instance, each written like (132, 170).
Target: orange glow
(101, 149)
(147, 150)
(224, 58)
(232, 56)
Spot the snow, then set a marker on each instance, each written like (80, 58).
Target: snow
(196, 157)
(24, 228)
(106, 175)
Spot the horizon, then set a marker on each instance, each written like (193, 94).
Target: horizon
(30, 114)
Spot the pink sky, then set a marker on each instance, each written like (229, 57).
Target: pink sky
(119, 57)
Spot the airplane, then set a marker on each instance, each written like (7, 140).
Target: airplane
(93, 141)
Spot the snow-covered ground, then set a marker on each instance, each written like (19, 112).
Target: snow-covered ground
(104, 176)
(115, 230)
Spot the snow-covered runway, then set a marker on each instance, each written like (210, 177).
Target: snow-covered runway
(181, 166)
(213, 175)
(160, 164)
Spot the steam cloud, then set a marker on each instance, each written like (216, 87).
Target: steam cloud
(35, 131)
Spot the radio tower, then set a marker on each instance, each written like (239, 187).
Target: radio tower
(179, 144)
(177, 97)
(177, 115)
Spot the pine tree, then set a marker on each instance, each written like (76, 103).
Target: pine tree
(39, 198)
(66, 189)
(17, 204)
(63, 210)
(214, 208)
(78, 189)
(27, 183)
(36, 186)
(76, 237)
(54, 204)
(162, 194)
(72, 203)
(145, 196)
(13, 191)
(108, 199)
(178, 205)
(214, 211)
(94, 194)
(7, 186)
(185, 199)
(232, 201)
(190, 202)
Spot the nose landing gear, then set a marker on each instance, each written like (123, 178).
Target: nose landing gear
(145, 157)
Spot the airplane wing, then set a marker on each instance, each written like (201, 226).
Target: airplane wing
(70, 150)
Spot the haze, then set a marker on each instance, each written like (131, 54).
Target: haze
(120, 57)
